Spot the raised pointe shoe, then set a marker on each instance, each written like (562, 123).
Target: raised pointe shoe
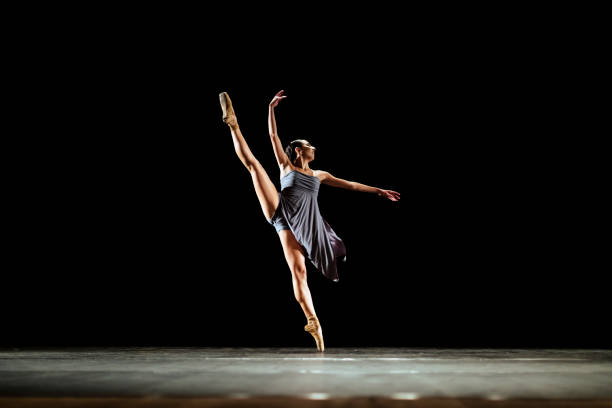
(314, 328)
(229, 116)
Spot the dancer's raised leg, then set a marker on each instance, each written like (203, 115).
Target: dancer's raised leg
(264, 188)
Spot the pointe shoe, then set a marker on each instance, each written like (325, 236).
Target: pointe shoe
(314, 328)
(229, 116)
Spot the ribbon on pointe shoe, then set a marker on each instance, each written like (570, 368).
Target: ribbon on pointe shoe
(313, 324)
(313, 328)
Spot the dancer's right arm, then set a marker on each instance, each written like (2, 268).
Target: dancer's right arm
(281, 157)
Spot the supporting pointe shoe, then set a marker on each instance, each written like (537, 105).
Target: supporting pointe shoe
(229, 116)
(314, 328)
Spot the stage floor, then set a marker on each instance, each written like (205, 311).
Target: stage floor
(242, 376)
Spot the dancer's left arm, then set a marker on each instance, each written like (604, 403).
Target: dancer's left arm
(327, 178)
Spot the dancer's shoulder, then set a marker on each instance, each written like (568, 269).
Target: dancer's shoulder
(321, 174)
(284, 170)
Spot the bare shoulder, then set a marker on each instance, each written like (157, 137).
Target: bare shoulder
(331, 180)
(284, 170)
(321, 174)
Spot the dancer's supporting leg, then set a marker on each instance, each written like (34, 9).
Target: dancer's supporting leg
(297, 263)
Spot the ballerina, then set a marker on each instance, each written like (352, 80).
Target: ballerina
(294, 211)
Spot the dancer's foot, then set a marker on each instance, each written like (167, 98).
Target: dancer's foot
(229, 116)
(314, 328)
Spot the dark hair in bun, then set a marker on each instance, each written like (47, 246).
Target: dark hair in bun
(290, 149)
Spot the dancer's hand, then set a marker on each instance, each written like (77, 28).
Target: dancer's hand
(390, 194)
(277, 98)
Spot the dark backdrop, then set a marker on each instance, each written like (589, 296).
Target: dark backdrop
(136, 224)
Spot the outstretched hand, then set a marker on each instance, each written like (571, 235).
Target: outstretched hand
(390, 194)
(277, 98)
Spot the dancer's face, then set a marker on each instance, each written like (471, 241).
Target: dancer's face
(308, 150)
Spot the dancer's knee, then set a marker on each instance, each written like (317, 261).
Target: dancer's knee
(299, 273)
(247, 158)
(253, 165)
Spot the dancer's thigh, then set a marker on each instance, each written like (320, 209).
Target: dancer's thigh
(294, 253)
(265, 190)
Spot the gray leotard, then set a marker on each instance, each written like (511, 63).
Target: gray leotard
(298, 211)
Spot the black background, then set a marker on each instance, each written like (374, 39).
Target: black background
(134, 222)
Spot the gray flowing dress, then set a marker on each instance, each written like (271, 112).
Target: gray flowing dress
(298, 211)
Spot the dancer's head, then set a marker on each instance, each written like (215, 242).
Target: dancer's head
(300, 149)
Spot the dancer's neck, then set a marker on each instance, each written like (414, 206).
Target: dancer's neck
(302, 166)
